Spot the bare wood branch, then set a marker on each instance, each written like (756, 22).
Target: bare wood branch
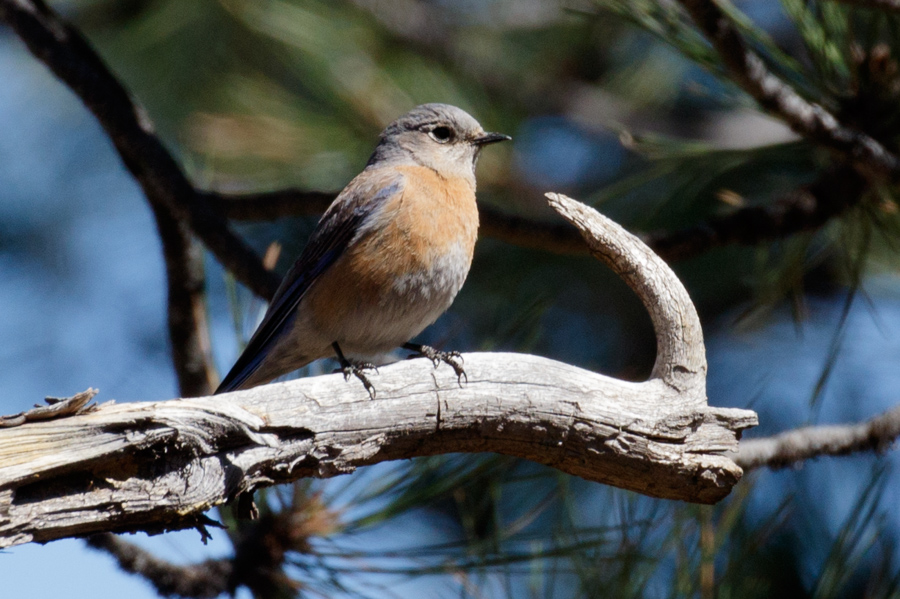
(808, 119)
(156, 466)
(680, 354)
(792, 447)
(71, 58)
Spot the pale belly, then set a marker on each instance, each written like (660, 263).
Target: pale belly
(369, 311)
(378, 318)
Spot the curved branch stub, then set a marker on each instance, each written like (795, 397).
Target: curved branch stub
(680, 353)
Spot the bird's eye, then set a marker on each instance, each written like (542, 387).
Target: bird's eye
(441, 134)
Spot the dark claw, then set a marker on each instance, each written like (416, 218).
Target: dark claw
(453, 359)
(348, 368)
(357, 370)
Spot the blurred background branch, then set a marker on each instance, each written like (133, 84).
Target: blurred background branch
(202, 581)
(806, 208)
(187, 318)
(792, 447)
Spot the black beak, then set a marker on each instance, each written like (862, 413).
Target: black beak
(490, 138)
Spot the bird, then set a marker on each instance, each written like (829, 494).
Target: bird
(385, 260)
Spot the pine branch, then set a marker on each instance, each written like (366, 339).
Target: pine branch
(516, 230)
(808, 119)
(270, 205)
(69, 56)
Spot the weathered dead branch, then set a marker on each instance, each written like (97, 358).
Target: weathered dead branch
(160, 465)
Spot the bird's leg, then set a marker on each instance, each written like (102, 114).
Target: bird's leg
(452, 358)
(348, 368)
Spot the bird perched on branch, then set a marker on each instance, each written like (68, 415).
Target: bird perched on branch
(386, 259)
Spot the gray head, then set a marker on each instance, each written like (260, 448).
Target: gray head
(438, 136)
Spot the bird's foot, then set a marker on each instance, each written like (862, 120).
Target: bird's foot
(453, 359)
(356, 369)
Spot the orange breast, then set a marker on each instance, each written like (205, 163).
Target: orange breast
(435, 213)
(406, 270)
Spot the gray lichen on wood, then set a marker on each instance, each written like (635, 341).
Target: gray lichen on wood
(159, 465)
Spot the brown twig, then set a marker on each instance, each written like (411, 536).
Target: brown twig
(201, 581)
(811, 120)
(261, 549)
(70, 57)
(792, 447)
(188, 329)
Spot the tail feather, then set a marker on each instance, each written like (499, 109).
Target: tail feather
(238, 375)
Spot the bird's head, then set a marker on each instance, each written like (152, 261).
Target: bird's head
(438, 136)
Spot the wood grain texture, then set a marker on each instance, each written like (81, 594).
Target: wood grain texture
(160, 465)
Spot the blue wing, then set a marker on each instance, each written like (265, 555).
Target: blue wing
(334, 233)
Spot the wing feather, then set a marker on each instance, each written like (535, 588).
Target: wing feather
(339, 228)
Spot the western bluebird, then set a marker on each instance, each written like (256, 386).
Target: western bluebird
(386, 259)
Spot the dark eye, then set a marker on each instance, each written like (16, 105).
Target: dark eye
(441, 134)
